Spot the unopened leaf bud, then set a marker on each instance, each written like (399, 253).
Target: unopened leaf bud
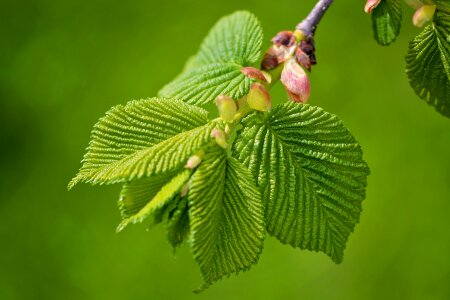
(370, 5)
(284, 38)
(259, 98)
(308, 46)
(227, 108)
(423, 15)
(295, 81)
(275, 56)
(303, 59)
(219, 137)
(193, 162)
(255, 73)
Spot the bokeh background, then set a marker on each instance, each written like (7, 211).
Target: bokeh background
(64, 63)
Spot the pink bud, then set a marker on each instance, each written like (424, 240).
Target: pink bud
(423, 15)
(295, 81)
(219, 137)
(227, 108)
(370, 5)
(254, 73)
(259, 98)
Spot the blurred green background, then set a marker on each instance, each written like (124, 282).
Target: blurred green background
(64, 63)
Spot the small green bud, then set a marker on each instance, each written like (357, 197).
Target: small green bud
(259, 98)
(423, 15)
(220, 138)
(193, 162)
(227, 108)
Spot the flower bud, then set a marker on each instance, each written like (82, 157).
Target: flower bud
(193, 162)
(227, 108)
(423, 15)
(254, 73)
(295, 81)
(220, 138)
(259, 98)
(370, 5)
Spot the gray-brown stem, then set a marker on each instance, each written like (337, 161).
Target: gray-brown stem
(309, 25)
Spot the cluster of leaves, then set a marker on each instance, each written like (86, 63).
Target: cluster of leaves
(428, 58)
(294, 172)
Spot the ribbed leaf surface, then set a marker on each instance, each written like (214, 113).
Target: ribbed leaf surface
(137, 193)
(311, 174)
(235, 38)
(143, 138)
(203, 84)
(226, 217)
(166, 156)
(234, 42)
(428, 64)
(387, 21)
(178, 223)
(159, 200)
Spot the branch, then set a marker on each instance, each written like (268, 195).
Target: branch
(309, 25)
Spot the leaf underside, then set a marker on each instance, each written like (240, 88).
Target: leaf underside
(387, 21)
(234, 42)
(178, 227)
(311, 174)
(226, 217)
(161, 198)
(428, 64)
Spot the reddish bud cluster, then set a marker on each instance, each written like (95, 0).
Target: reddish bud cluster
(305, 53)
(284, 38)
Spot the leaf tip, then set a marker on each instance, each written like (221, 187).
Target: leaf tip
(122, 225)
(73, 182)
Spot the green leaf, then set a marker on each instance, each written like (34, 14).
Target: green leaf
(178, 223)
(226, 217)
(236, 38)
(233, 43)
(161, 198)
(202, 85)
(428, 64)
(164, 157)
(387, 21)
(311, 174)
(137, 193)
(143, 138)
